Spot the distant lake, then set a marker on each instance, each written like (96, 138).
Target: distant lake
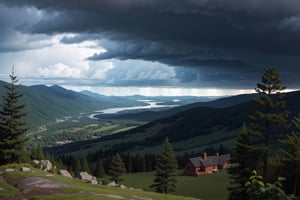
(150, 104)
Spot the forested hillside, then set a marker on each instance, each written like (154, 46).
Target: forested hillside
(189, 130)
(45, 104)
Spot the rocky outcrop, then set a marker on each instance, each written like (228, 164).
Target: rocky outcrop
(9, 170)
(25, 169)
(87, 177)
(65, 173)
(112, 184)
(36, 162)
(123, 187)
(46, 165)
(28, 184)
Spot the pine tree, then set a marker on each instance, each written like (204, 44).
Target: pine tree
(247, 159)
(270, 117)
(290, 155)
(37, 153)
(116, 168)
(77, 166)
(166, 170)
(99, 170)
(84, 165)
(12, 125)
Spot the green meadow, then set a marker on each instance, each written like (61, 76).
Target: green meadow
(208, 187)
(78, 189)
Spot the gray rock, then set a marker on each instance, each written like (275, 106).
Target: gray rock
(46, 165)
(28, 184)
(9, 170)
(36, 162)
(25, 169)
(112, 184)
(65, 173)
(87, 177)
(123, 187)
(94, 182)
(1, 189)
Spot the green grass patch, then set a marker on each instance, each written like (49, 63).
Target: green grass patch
(7, 190)
(107, 128)
(208, 187)
(123, 129)
(81, 190)
(73, 197)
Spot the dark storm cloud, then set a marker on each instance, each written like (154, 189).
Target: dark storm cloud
(11, 21)
(257, 25)
(222, 38)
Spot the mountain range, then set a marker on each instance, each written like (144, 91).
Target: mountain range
(193, 127)
(46, 104)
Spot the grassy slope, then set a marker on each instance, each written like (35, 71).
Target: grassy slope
(7, 190)
(187, 131)
(81, 190)
(209, 187)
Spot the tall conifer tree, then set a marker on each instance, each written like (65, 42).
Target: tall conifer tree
(247, 160)
(270, 116)
(290, 156)
(99, 170)
(12, 125)
(37, 153)
(116, 168)
(84, 165)
(166, 170)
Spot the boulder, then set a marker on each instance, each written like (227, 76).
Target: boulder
(123, 187)
(9, 170)
(36, 162)
(65, 173)
(87, 177)
(112, 184)
(46, 165)
(25, 169)
(94, 181)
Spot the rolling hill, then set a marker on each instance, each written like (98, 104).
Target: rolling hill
(153, 115)
(45, 104)
(193, 129)
(37, 184)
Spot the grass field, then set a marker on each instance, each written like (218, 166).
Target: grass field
(79, 190)
(208, 187)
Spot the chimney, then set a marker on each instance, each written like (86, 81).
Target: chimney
(204, 156)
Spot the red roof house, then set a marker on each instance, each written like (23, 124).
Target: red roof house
(207, 164)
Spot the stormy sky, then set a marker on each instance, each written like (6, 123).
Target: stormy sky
(199, 47)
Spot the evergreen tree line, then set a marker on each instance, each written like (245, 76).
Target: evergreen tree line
(260, 173)
(133, 162)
